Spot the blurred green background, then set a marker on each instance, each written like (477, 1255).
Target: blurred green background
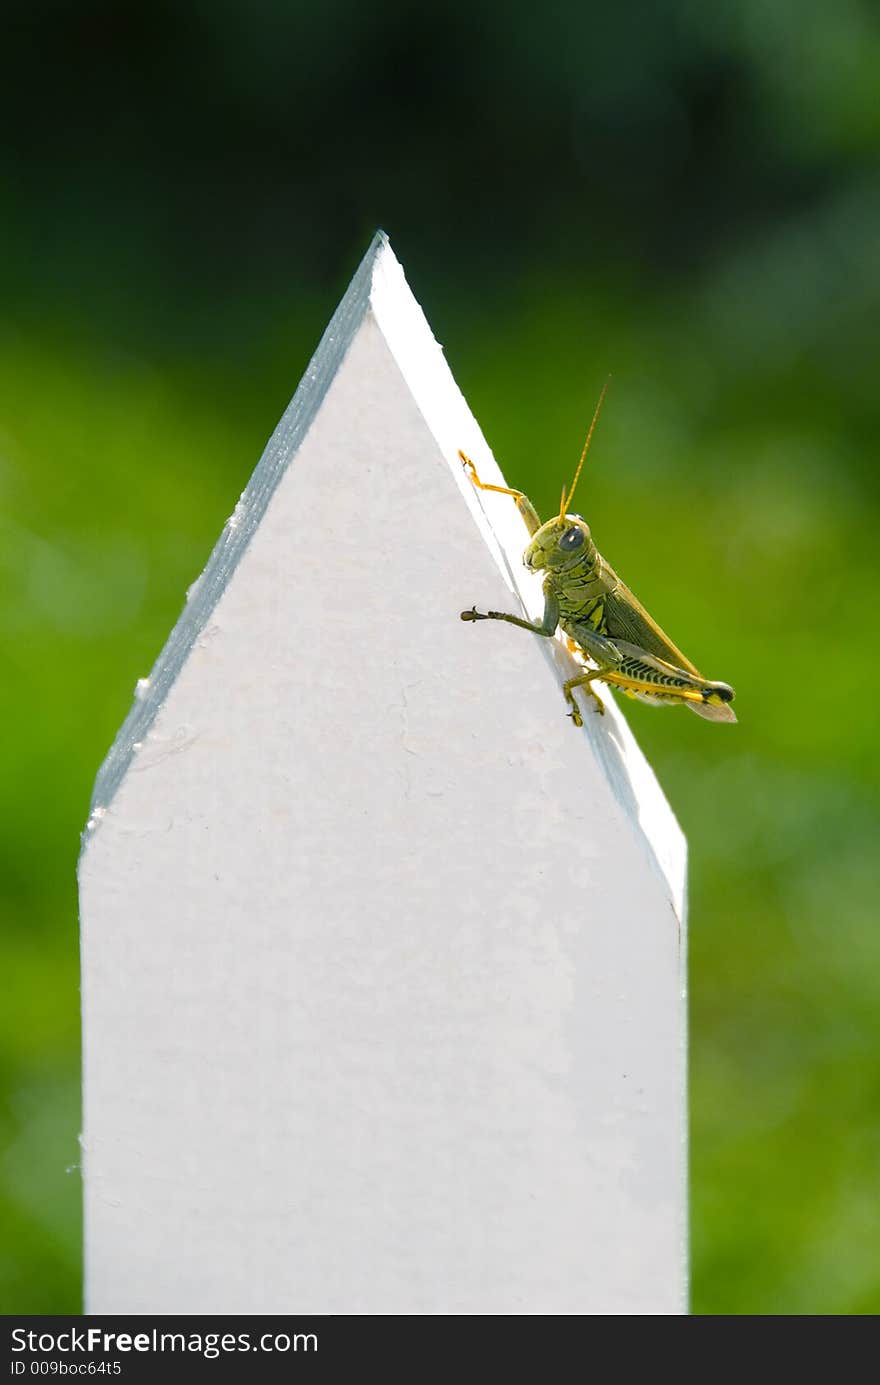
(681, 193)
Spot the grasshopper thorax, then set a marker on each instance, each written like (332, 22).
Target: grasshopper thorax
(561, 544)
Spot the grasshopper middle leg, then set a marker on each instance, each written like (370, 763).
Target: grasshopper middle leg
(584, 680)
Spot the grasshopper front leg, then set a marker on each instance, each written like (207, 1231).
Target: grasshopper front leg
(523, 504)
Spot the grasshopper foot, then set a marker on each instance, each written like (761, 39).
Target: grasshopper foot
(575, 712)
(584, 680)
(598, 704)
(472, 614)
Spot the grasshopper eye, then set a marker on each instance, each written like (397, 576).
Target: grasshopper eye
(571, 540)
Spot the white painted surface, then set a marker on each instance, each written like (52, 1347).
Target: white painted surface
(382, 963)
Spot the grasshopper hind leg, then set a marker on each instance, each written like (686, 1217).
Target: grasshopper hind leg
(641, 675)
(708, 700)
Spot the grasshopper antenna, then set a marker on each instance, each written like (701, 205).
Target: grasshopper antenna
(566, 499)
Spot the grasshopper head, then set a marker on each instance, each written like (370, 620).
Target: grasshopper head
(559, 544)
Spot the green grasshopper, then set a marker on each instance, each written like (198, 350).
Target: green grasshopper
(604, 622)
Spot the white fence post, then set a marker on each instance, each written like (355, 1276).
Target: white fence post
(383, 994)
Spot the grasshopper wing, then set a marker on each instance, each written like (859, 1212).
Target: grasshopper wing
(626, 617)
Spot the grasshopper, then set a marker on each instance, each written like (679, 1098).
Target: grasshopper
(604, 622)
